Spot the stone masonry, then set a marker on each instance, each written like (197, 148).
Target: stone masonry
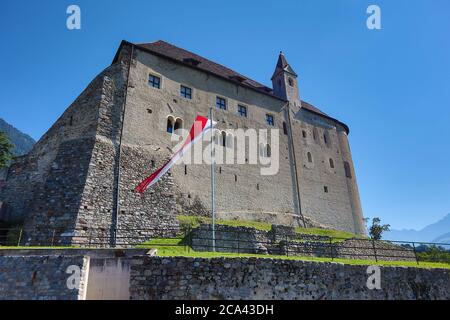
(82, 173)
(265, 279)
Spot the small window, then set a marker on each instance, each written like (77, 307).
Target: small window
(269, 119)
(170, 124)
(348, 172)
(185, 170)
(304, 133)
(331, 163)
(291, 82)
(310, 159)
(186, 92)
(154, 81)
(235, 178)
(325, 189)
(284, 128)
(315, 134)
(242, 111)
(221, 103)
(178, 124)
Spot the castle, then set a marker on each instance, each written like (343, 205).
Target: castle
(81, 174)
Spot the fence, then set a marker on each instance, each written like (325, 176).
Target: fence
(233, 240)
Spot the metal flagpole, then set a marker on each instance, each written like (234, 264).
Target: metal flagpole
(212, 180)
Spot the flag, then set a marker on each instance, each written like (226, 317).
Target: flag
(200, 127)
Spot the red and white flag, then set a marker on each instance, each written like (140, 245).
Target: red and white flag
(199, 128)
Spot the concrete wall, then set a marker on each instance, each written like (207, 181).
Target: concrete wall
(249, 278)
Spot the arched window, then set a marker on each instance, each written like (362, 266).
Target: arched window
(178, 124)
(331, 163)
(223, 141)
(325, 139)
(291, 82)
(310, 159)
(268, 151)
(170, 124)
(348, 172)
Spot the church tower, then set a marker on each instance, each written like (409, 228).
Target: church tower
(284, 82)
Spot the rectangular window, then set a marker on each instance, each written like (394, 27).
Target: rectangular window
(269, 119)
(186, 92)
(154, 81)
(242, 110)
(221, 103)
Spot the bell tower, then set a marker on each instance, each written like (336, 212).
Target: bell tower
(284, 82)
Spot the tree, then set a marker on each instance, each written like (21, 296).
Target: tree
(376, 229)
(5, 150)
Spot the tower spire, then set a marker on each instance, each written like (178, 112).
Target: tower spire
(283, 66)
(284, 82)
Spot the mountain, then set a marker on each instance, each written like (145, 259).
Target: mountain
(21, 141)
(435, 232)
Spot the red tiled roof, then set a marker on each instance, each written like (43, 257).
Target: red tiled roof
(185, 57)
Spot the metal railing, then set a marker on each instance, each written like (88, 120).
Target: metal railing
(230, 241)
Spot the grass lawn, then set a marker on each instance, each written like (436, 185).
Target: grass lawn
(176, 248)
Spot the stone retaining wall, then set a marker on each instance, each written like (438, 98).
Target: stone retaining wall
(282, 240)
(41, 277)
(251, 278)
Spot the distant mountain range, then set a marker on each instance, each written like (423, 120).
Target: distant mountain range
(21, 141)
(435, 232)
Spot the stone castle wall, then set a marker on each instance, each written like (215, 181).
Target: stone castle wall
(241, 191)
(82, 173)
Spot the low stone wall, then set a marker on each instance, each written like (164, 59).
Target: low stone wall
(282, 240)
(377, 250)
(230, 239)
(41, 277)
(251, 278)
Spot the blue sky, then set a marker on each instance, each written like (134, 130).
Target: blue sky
(391, 86)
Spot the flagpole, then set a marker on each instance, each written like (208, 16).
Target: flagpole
(212, 181)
